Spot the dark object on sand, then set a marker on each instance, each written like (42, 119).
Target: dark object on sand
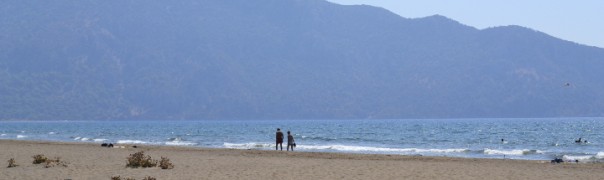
(134, 146)
(557, 160)
(106, 145)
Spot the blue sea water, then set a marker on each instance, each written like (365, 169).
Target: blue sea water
(533, 139)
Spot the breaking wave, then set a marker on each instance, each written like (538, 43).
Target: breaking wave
(131, 142)
(512, 152)
(179, 142)
(251, 145)
(369, 149)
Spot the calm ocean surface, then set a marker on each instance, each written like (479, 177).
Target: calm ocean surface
(535, 139)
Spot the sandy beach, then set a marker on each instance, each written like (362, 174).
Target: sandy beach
(91, 161)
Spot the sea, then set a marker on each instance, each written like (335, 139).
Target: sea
(518, 138)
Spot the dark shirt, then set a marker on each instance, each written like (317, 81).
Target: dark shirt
(279, 137)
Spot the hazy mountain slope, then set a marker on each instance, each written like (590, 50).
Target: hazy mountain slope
(269, 59)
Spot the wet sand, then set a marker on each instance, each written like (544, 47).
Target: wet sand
(91, 161)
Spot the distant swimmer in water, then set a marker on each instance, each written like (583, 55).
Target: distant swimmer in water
(580, 141)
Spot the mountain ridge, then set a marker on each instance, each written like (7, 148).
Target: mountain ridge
(275, 59)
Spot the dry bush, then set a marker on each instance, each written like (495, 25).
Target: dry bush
(149, 178)
(39, 158)
(165, 163)
(130, 179)
(55, 162)
(140, 160)
(12, 163)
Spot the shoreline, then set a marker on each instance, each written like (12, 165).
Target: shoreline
(91, 161)
(465, 138)
(503, 156)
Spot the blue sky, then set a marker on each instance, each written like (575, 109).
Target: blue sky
(581, 21)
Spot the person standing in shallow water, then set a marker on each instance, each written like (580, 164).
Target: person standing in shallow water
(290, 141)
(279, 140)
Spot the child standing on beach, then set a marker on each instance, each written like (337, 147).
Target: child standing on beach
(290, 141)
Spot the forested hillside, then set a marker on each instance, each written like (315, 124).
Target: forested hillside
(279, 59)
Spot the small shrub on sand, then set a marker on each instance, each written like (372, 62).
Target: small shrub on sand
(165, 163)
(149, 178)
(12, 163)
(55, 162)
(39, 158)
(130, 178)
(140, 160)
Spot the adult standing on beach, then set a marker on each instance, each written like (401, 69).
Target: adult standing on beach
(290, 141)
(279, 140)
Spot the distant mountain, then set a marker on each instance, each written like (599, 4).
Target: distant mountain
(279, 59)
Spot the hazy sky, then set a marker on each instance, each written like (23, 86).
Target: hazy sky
(581, 21)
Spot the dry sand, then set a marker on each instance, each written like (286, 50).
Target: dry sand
(91, 161)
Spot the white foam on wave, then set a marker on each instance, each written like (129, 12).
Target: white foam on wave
(442, 150)
(131, 142)
(513, 152)
(51, 133)
(77, 138)
(85, 139)
(357, 148)
(382, 150)
(251, 145)
(99, 140)
(600, 155)
(180, 143)
(345, 148)
(2, 134)
(21, 136)
(580, 158)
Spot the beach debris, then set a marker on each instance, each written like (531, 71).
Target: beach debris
(12, 163)
(55, 162)
(39, 158)
(557, 160)
(129, 178)
(165, 163)
(139, 159)
(149, 178)
(107, 145)
(120, 178)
